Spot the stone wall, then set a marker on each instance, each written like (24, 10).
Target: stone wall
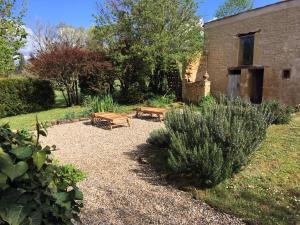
(277, 47)
(193, 91)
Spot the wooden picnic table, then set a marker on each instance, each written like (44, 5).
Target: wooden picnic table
(113, 119)
(159, 112)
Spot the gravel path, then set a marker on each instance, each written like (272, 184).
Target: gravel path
(119, 190)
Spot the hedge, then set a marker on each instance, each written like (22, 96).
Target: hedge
(24, 95)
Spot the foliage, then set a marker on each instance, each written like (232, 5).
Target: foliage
(214, 143)
(276, 113)
(22, 95)
(233, 7)
(65, 64)
(33, 189)
(267, 191)
(161, 101)
(207, 101)
(12, 35)
(273, 111)
(159, 138)
(100, 104)
(21, 64)
(44, 37)
(145, 37)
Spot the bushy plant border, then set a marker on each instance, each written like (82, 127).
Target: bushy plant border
(210, 144)
(25, 95)
(34, 189)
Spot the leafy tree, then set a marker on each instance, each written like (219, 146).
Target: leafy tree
(64, 65)
(12, 35)
(232, 7)
(146, 36)
(21, 64)
(45, 36)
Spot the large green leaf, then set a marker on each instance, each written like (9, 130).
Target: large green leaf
(22, 152)
(78, 194)
(39, 159)
(13, 214)
(35, 218)
(3, 179)
(8, 168)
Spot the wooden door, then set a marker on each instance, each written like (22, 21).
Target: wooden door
(234, 85)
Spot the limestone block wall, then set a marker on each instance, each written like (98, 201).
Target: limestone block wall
(276, 48)
(193, 91)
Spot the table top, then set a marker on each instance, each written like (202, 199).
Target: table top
(152, 109)
(110, 116)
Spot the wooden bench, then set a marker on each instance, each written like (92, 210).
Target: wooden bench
(159, 112)
(113, 119)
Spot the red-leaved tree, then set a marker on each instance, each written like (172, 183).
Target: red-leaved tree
(65, 65)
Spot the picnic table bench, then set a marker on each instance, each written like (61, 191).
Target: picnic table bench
(160, 112)
(113, 119)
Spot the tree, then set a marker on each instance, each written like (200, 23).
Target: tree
(142, 36)
(45, 36)
(12, 35)
(65, 65)
(21, 64)
(232, 7)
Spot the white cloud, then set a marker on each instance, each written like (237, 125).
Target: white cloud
(29, 46)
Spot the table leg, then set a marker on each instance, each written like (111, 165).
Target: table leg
(137, 114)
(129, 122)
(110, 125)
(93, 118)
(159, 117)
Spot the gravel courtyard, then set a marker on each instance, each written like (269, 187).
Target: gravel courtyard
(120, 190)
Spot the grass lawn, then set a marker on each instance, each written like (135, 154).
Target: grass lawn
(268, 190)
(59, 111)
(27, 121)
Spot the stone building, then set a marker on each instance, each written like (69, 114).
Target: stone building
(254, 55)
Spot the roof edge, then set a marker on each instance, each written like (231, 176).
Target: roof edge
(247, 14)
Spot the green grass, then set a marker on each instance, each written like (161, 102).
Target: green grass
(27, 121)
(59, 111)
(267, 191)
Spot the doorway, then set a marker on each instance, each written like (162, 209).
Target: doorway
(234, 77)
(256, 85)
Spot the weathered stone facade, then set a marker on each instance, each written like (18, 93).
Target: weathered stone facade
(276, 53)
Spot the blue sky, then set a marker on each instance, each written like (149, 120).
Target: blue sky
(79, 12)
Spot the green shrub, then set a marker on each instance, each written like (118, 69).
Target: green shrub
(159, 138)
(22, 95)
(135, 93)
(273, 111)
(207, 101)
(33, 189)
(161, 101)
(100, 104)
(276, 113)
(212, 144)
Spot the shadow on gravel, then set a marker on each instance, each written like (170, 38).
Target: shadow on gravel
(148, 118)
(101, 124)
(144, 156)
(154, 159)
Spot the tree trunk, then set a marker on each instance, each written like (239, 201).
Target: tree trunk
(76, 92)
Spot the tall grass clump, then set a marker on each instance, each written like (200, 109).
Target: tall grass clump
(161, 101)
(100, 104)
(211, 144)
